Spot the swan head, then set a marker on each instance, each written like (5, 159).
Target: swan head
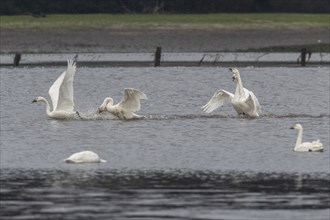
(38, 99)
(106, 101)
(235, 73)
(296, 126)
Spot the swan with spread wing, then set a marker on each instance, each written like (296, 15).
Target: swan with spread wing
(61, 94)
(243, 101)
(126, 107)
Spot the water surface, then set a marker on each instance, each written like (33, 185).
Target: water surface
(178, 163)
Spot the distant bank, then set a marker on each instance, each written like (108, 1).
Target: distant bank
(43, 8)
(106, 33)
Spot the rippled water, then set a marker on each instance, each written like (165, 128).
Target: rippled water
(177, 163)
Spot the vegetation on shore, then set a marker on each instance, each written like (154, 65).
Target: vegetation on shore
(42, 7)
(156, 20)
(236, 20)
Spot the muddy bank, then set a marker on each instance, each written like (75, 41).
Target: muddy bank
(145, 39)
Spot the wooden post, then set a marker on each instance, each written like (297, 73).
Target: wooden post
(158, 55)
(303, 56)
(17, 58)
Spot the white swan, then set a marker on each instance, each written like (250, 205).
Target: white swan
(127, 106)
(61, 94)
(84, 157)
(306, 146)
(244, 101)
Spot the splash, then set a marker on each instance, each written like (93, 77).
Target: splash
(109, 116)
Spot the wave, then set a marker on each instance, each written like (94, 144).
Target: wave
(292, 115)
(167, 179)
(95, 116)
(108, 116)
(200, 116)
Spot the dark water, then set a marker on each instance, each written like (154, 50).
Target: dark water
(178, 163)
(173, 194)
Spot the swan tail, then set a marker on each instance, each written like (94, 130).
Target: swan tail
(318, 143)
(103, 161)
(318, 146)
(318, 149)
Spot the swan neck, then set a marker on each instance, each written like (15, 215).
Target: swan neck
(299, 138)
(107, 101)
(239, 87)
(47, 105)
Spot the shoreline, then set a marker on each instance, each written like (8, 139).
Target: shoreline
(172, 64)
(200, 59)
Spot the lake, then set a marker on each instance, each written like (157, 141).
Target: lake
(178, 162)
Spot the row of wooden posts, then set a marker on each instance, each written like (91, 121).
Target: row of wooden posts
(158, 55)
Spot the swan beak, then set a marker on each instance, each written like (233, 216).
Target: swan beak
(231, 70)
(292, 128)
(34, 100)
(100, 110)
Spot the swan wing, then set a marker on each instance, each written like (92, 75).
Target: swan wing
(131, 100)
(218, 99)
(317, 146)
(252, 101)
(54, 90)
(308, 146)
(65, 93)
(75, 158)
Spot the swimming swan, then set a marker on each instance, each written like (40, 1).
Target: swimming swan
(84, 157)
(244, 101)
(126, 107)
(61, 94)
(306, 146)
